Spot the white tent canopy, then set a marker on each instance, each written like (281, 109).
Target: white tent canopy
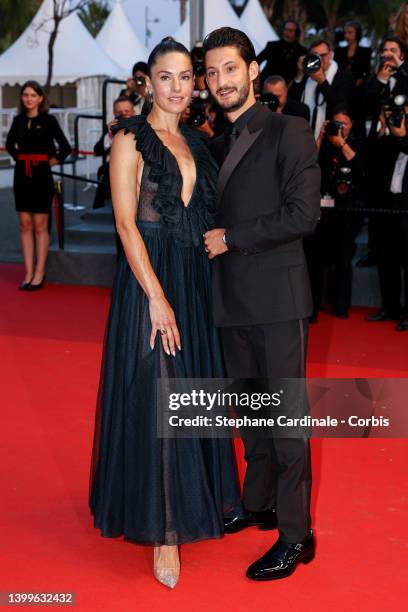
(76, 53)
(118, 39)
(256, 22)
(160, 17)
(217, 13)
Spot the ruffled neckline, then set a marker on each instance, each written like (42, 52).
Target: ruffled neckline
(187, 222)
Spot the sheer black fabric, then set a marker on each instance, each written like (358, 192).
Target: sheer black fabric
(147, 489)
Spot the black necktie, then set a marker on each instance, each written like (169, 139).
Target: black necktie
(232, 137)
(315, 109)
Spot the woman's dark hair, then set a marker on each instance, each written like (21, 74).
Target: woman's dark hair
(298, 29)
(356, 27)
(43, 107)
(395, 39)
(341, 109)
(167, 45)
(230, 37)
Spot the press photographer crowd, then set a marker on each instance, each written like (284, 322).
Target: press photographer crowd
(355, 99)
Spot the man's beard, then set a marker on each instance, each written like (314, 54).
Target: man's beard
(243, 95)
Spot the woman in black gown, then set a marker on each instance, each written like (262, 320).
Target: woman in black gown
(31, 143)
(158, 491)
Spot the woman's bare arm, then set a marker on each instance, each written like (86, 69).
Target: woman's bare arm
(124, 166)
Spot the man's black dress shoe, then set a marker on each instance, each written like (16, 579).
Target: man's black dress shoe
(282, 559)
(382, 315)
(402, 325)
(263, 520)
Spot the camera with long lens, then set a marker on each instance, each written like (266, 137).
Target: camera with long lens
(269, 100)
(198, 68)
(383, 59)
(139, 80)
(198, 112)
(394, 111)
(334, 128)
(312, 63)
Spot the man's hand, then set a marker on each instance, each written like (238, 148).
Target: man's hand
(214, 244)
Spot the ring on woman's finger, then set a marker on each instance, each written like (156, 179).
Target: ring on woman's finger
(163, 332)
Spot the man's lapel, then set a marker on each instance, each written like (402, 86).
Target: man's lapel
(248, 136)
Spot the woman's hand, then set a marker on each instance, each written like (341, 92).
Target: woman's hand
(164, 321)
(53, 161)
(337, 141)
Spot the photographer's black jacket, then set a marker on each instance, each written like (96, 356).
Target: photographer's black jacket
(339, 92)
(269, 199)
(281, 59)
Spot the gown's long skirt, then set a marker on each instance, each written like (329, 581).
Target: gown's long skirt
(153, 490)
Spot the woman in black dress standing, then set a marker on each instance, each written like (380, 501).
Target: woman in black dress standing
(357, 60)
(162, 492)
(31, 142)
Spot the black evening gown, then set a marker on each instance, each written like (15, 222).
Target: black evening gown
(151, 490)
(34, 194)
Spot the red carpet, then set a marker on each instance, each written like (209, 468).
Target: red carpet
(50, 343)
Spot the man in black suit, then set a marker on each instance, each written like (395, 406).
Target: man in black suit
(282, 55)
(268, 199)
(324, 89)
(276, 85)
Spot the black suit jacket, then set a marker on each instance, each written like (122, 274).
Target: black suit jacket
(358, 65)
(296, 109)
(269, 198)
(377, 93)
(281, 59)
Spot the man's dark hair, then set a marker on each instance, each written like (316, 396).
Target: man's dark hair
(395, 39)
(140, 67)
(230, 37)
(319, 42)
(166, 45)
(122, 99)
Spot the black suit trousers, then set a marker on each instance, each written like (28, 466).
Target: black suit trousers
(278, 470)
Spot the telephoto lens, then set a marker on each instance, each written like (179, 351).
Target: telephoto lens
(312, 63)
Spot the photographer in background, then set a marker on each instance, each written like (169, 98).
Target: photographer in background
(389, 182)
(390, 80)
(122, 108)
(136, 87)
(282, 55)
(341, 158)
(357, 60)
(276, 86)
(321, 84)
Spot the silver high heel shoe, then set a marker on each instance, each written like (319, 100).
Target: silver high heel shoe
(168, 576)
